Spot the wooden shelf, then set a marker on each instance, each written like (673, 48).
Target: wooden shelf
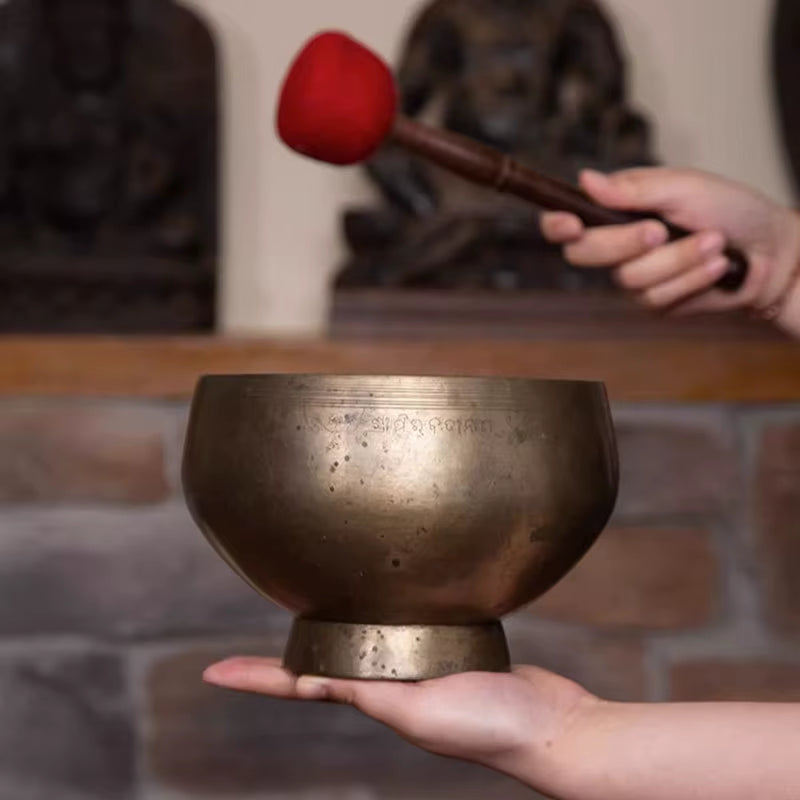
(414, 315)
(634, 371)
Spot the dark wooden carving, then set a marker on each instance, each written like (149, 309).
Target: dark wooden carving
(108, 167)
(786, 67)
(542, 80)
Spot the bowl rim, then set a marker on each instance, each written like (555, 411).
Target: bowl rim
(465, 379)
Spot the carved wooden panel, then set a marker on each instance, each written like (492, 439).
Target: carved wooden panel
(108, 167)
(786, 68)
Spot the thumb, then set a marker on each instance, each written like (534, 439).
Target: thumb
(648, 189)
(387, 702)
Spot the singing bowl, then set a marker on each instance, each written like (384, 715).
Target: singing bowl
(399, 518)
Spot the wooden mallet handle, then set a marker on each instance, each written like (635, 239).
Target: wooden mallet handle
(488, 167)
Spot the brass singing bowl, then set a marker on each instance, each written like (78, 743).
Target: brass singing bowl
(399, 518)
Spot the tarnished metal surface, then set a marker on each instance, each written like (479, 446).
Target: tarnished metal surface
(395, 652)
(388, 502)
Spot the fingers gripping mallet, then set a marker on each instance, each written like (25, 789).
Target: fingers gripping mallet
(339, 104)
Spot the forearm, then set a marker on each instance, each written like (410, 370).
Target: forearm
(669, 751)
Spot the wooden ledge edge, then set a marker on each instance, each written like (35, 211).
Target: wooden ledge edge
(634, 371)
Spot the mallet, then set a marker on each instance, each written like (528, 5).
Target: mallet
(339, 104)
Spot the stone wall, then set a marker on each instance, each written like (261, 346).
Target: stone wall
(111, 604)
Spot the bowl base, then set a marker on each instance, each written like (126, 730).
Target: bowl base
(394, 652)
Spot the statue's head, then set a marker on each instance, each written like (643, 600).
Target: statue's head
(509, 91)
(501, 80)
(508, 68)
(88, 40)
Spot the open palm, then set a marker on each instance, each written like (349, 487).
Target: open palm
(497, 720)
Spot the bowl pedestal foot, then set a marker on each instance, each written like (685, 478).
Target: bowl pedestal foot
(394, 652)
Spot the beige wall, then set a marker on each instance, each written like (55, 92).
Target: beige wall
(698, 66)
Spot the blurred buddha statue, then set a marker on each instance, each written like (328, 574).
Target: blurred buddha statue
(542, 80)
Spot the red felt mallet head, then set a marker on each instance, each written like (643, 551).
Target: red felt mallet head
(338, 101)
